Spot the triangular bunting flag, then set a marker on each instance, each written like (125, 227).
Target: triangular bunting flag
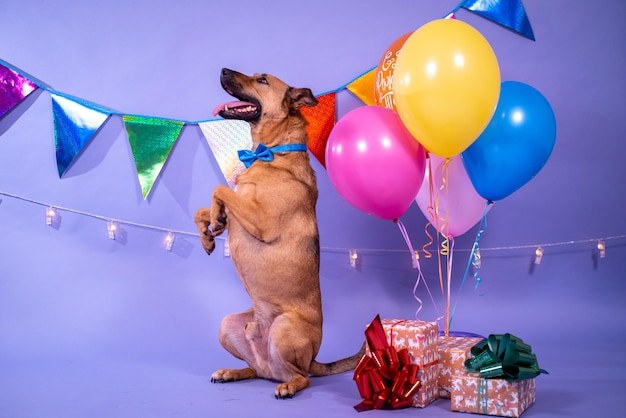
(75, 124)
(151, 141)
(508, 13)
(14, 88)
(225, 138)
(363, 87)
(321, 120)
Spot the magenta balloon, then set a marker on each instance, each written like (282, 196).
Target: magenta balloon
(461, 207)
(374, 162)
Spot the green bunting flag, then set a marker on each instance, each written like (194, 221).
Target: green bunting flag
(151, 141)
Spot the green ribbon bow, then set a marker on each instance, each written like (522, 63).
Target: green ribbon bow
(503, 356)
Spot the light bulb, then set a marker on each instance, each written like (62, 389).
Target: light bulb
(353, 258)
(111, 228)
(169, 241)
(415, 259)
(51, 213)
(601, 248)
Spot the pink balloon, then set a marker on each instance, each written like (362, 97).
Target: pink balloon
(374, 162)
(461, 207)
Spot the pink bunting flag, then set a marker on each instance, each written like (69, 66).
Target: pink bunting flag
(14, 88)
(225, 138)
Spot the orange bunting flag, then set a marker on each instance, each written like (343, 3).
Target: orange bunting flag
(363, 87)
(321, 120)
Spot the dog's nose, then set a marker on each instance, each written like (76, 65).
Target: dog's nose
(226, 72)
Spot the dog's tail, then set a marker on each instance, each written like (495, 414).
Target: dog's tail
(339, 366)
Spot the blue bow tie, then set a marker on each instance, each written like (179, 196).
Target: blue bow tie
(264, 153)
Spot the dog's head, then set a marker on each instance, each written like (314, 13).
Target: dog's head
(260, 97)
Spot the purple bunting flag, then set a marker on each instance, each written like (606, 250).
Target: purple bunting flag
(14, 88)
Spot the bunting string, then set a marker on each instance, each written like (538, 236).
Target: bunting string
(76, 121)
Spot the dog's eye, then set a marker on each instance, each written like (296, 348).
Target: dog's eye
(262, 80)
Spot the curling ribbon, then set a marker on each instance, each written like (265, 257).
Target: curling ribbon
(430, 209)
(474, 258)
(420, 276)
(503, 357)
(386, 379)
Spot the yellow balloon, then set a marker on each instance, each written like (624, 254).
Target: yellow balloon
(446, 85)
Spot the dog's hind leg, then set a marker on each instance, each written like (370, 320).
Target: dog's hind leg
(238, 335)
(292, 349)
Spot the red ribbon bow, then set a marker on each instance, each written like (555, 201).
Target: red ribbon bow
(386, 379)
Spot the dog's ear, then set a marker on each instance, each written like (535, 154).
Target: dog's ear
(301, 97)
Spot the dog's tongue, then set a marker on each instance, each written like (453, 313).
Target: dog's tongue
(230, 105)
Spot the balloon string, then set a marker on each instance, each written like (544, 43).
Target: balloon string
(420, 276)
(448, 284)
(474, 258)
(443, 250)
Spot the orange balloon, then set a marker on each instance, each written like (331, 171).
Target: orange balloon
(383, 93)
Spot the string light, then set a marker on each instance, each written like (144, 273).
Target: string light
(111, 228)
(477, 260)
(354, 256)
(169, 241)
(51, 215)
(601, 248)
(538, 255)
(415, 260)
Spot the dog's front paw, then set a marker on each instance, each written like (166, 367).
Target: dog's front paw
(218, 224)
(208, 242)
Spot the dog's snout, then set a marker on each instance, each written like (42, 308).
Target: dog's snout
(226, 72)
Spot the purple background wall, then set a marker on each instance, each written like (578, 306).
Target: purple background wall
(95, 327)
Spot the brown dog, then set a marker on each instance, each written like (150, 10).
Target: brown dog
(273, 240)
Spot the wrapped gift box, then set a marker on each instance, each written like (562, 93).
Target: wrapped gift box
(420, 338)
(452, 351)
(471, 393)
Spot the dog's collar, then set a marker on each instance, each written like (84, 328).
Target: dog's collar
(264, 153)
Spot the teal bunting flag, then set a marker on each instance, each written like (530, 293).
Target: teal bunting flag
(75, 124)
(151, 141)
(508, 13)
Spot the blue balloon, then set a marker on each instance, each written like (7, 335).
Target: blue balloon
(515, 145)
